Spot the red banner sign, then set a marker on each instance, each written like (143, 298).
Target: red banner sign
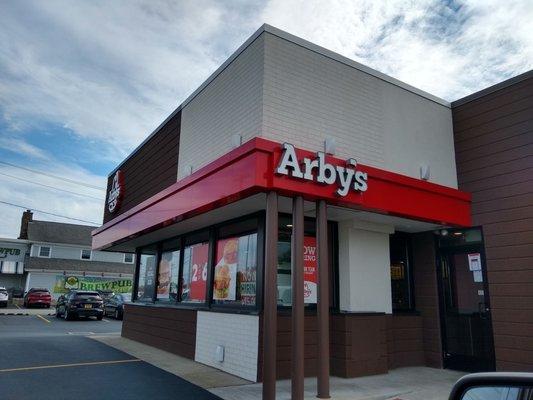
(225, 282)
(198, 271)
(310, 270)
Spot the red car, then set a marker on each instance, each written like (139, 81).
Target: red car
(37, 297)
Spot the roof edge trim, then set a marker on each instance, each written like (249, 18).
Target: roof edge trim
(494, 88)
(354, 64)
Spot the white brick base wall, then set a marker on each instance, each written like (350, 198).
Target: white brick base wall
(239, 334)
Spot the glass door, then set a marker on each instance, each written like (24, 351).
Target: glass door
(465, 310)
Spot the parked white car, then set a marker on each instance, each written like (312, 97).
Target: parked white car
(4, 297)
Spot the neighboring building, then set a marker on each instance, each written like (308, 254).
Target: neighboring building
(59, 257)
(12, 257)
(493, 131)
(421, 271)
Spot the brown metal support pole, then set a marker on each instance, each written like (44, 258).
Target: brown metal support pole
(270, 306)
(297, 257)
(323, 300)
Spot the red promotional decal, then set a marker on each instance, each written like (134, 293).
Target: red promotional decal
(310, 270)
(225, 282)
(199, 271)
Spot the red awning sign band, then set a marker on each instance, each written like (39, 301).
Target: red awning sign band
(259, 166)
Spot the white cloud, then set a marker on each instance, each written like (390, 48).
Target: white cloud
(20, 146)
(450, 49)
(88, 205)
(110, 72)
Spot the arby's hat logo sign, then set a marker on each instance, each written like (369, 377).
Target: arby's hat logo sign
(318, 169)
(115, 192)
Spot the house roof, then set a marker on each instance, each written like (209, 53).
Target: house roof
(57, 232)
(61, 264)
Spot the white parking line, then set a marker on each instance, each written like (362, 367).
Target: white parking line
(70, 365)
(43, 318)
(81, 333)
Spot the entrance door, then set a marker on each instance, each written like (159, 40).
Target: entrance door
(465, 312)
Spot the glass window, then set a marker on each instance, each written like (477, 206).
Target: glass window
(168, 272)
(284, 270)
(45, 251)
(86, 254)
(194, 279)
(310, 261)
(400, 272)
(8, 267)
(235, 272)
(459, 237)
(129, 258)
(147, 267)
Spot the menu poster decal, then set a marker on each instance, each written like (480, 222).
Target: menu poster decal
(200, 253)
(310, 270)
(225, 281)
(247, 287)
(168, 267)
(474, 261)
(149, 280)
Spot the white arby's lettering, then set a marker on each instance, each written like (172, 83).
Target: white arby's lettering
(321, 171)
(115, 192)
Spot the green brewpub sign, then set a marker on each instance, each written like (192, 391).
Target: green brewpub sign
(64, 283)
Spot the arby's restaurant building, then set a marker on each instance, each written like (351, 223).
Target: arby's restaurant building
(301, 214)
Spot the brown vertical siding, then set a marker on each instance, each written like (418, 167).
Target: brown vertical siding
(426, 296)
(170, 329)
(494, 147)
(283, 345)
(152, 168)
(360, 344)
(404, 341)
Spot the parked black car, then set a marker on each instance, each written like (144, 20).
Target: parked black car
(106, 294)
(114, 306)
(80, 303)
(16, 293)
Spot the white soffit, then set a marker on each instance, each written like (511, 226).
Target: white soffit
(343, 214)
(400, 224)
(237, 209)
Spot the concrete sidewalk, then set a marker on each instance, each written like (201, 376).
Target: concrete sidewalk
(194, 372)
(27, 311)
(413, 383)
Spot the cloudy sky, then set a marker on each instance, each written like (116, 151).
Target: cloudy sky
(83, 82)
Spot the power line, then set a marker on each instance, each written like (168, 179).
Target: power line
(49, 213)
(53, 176)
(51, 187)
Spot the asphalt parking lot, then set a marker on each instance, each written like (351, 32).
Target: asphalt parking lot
(48, 358)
